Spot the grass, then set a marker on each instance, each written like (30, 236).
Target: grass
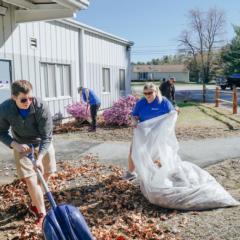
(191, 115)
(186, 104)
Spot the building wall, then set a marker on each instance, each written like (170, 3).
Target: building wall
(60, 43)
(56, 43)
(102, 53)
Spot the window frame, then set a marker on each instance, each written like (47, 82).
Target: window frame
(120, 79)
(58, 74)
(107, 91)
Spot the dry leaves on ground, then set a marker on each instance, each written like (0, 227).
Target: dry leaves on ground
(113, 208)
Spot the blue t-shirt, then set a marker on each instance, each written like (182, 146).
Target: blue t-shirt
(93, 98)
(23, 112)
(145, 111)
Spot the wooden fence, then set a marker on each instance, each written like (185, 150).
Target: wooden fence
(234, 101)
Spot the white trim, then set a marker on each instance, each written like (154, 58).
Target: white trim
(73, 4)
(82, 58)
(41, 14)
(64, 97)
(88, 28)
(20, 3)
(50, 99)
(69, 4)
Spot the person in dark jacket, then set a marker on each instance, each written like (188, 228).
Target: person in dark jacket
(31, 123)
(167, 89)
(90, 97)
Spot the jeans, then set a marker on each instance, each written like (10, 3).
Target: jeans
(93, 109)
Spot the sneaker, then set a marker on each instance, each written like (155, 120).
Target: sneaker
(92, 130)
(129, 176)
(33, 210)
(39, 220)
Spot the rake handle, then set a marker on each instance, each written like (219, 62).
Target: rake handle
(41, 178)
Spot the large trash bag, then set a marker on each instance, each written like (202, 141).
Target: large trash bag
(165, 179)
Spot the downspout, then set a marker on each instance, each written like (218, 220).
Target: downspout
(82, 58)
(128, 89)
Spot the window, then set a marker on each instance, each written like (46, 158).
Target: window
(122, 80)
(106, 79)
(56, 75)
(63, 72)
(143, 76)
(49, 80)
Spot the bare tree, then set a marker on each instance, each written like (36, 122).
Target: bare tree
(202, 38)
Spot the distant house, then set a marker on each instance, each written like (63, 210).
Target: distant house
(158, 72)
(57, 55)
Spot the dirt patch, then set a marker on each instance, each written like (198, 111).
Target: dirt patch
(125, 133)
(216, 224)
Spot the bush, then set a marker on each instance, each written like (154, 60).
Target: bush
(119, 114)
(79, 111)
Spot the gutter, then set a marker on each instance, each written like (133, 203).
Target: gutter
(97, 31)
(74, 4)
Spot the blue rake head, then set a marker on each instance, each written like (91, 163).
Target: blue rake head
(65, 222)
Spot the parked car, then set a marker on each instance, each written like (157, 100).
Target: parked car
(229, 81)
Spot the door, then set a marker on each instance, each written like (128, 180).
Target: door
(5, 79)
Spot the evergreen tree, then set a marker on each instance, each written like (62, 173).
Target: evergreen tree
(230, 54)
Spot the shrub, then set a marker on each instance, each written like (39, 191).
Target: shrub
(79, 110)
(119, 113)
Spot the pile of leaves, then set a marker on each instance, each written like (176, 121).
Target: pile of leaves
(79, 110)
(113, 208)
(119, 113)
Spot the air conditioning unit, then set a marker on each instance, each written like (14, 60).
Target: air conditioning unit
(3, 10)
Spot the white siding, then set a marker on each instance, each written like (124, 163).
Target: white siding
(104, 53)
(61, 43)
(56, 43)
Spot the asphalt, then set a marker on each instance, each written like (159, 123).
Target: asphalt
(68, 148)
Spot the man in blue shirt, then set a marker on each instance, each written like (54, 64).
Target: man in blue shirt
(90, 97)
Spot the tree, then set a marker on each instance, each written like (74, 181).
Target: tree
(202, 38)
(230, 54)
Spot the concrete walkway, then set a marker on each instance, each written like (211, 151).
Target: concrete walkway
(201, 152)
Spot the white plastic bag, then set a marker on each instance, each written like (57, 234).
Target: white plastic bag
(175, 184)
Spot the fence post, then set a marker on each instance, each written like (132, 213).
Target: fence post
(217, 97)
(235, 100)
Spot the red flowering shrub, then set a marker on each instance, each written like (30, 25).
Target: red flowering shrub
(79, 110)
(119, 114)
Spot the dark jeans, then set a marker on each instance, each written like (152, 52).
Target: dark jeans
(93, 110)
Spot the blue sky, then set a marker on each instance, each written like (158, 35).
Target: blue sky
(153, 25)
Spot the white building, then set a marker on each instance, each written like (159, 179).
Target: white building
(59, 55)
(158, 72)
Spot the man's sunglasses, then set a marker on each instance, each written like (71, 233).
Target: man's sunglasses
(148, 93)
(24, 100)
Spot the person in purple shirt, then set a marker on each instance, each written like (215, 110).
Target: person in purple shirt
(150, 106)
(90, 97)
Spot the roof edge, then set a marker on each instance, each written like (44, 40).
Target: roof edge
(97, 31)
